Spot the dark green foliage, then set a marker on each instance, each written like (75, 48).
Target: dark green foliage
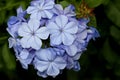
(100, 62)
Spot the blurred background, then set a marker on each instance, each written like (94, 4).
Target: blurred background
(101, 61)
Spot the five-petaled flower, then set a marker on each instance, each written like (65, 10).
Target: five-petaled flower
(41, 9)
(47, 61)
(62, 31)
(32, 34)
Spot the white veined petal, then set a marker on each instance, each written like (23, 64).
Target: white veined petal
(24, 54)
(61, 21)
(36, 43)
(52, 27)
(41, 65)
(82, 35)
(71, 50)
(42, 2)
(42, 33)
(71, 27)
(56, 39)
(12, 42)
(60, 62)
(31, 9)
(48, 14)
(49, 5)
(52, 70)
(42, 13)
(57, 9)
(23, 30)
(67, 39)
(45, 55)
(33, 24)
(24, 42)
(35, 15)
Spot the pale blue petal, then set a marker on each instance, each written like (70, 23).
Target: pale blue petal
(69, 11)
(43, 14)
(12, 42)
(58, 9)
(24, 54)
(61, 21)
(49, 5)
(24, 30)
(33, 24)
(31, 9)
(43, 74)
(19, 10)
(60, 62)
(41, 65)
(82, 35)
(48, 14)
(71, 50)
(42, 33)
(52, 27)
(45, 55)
(71, 27)
(56, 39)
(52, 70)
(41, 3)
(24, 42)
(77, 56)
(35, 16)
(67, 39)
(36, 43)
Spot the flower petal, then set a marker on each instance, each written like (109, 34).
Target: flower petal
(24, 42)
(60, 62)
(45, 55)
(33, 24)
(71, 27)
(41, 65)
(67, 39)
(31, 9)
(52, 70)
(48, 14)
(49, 5)
(52, 27)
(36, 43)
(24, 54)
(56, 39)
(24, 30)
(61, 21)
(71, 50)
(58, 9)
(42, 33)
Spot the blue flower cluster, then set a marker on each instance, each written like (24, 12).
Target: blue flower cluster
(49, 37)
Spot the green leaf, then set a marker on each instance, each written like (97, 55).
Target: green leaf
(93, 21)
(94, 3)
(113, 13)
(64, 3)
(115, 33)
(3, 39)
(8, 58)
(117, 69)
(108, 53)
(72, 75)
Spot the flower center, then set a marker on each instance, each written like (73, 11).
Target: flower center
(61, 30)
(33, 33)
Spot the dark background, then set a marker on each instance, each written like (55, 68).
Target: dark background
(101, 61)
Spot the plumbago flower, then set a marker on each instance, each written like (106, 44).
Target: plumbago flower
(41, 9)
(68, 11)
(62, 31)
(48, 62)
(51, 38)
(32, 34)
